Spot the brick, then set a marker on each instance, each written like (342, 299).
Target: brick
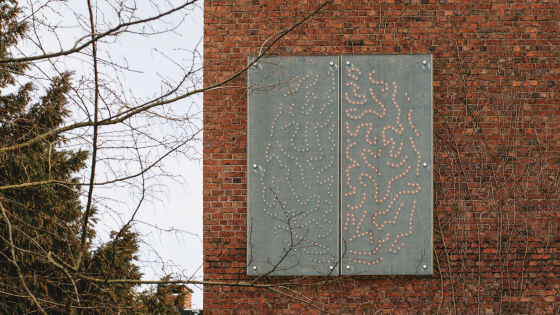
(496, 140)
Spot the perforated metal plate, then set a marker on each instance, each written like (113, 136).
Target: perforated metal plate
(293, 164)
(383, 165)
(386, 179)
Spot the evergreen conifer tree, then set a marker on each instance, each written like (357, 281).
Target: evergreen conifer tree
(40, 224)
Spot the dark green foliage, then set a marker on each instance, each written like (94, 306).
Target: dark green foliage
(11, 30)
(45, 219)
(158, 301)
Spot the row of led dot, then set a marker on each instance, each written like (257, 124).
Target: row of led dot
(409, 121)
(392, 249)
(291, 113)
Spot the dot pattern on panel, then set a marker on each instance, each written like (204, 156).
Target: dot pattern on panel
(380, 178)
(302, 152)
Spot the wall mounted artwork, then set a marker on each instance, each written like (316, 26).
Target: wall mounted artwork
(339, 174)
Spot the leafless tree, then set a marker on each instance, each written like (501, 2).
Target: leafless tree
(126, 135)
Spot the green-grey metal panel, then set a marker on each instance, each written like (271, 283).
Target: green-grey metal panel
(292, 166)
(386, 174)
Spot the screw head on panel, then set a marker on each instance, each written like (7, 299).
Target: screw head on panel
(331, 63)
(425, 266)
(424, 62)
(348, 62)
(348, 267)
(255, 165)
(331, 267)
(425, 164)
(254, 267)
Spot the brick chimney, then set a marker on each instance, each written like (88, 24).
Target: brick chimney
(187, 293)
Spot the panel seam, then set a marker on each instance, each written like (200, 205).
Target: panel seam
(339, 165)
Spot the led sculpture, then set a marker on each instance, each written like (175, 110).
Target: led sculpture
(294, 160)
(364, 207)
(386, 207)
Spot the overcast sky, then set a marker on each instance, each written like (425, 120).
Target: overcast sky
(180, 206)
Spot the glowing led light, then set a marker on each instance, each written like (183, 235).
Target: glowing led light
(298, 166)
(380, 153)
(379, 160)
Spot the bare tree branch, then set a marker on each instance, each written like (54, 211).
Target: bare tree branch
(95, 37)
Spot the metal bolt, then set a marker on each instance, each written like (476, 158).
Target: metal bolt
(255, 165)
(348, 62)
(425, 164)
(424, 62)
(348, 267)
(425, 266)
(331, 267)
(332, 63)
(255, 267)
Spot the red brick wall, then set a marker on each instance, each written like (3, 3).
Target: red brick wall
(188, 300)
(187, 297)
(496, 143)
